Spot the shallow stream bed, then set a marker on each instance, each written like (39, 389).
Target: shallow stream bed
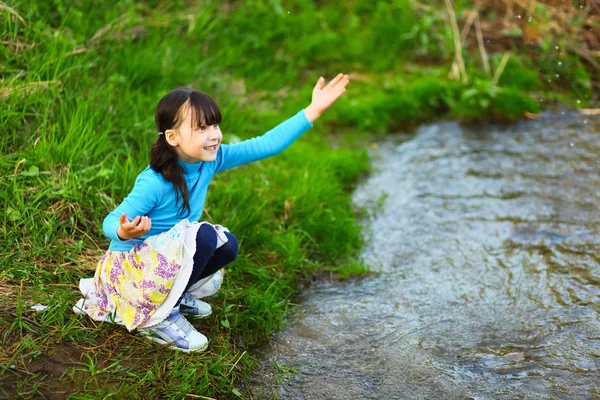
(488, 255)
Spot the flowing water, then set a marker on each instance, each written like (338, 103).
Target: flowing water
(489, 287)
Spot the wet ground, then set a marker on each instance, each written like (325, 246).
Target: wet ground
(489, 287)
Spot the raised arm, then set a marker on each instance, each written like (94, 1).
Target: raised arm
(271, 143)
(284, 134)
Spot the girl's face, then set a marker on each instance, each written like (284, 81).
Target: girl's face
(193, 143)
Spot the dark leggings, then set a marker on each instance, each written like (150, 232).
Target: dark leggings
(208, 259)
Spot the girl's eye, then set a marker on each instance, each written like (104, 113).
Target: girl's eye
(202, 127)
(216, 125)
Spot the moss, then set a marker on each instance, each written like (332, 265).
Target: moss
(511, 104)
(581, 86)
(398, 107)
(433, 95)
(517, 75)
(483, 100)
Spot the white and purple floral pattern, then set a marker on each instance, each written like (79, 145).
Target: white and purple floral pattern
(134, 283)
(138, 288)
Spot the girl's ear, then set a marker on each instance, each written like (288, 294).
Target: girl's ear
(172, 137)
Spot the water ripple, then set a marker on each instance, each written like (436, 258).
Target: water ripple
(489, 256)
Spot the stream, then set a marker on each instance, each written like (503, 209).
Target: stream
(486, 248)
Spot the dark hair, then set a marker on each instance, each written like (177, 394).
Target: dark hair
(170, 111)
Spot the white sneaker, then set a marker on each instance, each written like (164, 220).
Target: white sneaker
(191, 305)
(177, 332)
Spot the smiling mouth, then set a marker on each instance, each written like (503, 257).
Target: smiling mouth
(211, 148)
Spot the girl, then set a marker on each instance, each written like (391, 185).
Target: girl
(159, 263)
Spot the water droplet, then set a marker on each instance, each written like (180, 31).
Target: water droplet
(557, 47)
(560, 63)
(557, 75)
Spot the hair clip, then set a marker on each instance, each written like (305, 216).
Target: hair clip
(161, 133)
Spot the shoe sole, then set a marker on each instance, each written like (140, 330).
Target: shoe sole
(196, 315)
(160, 341)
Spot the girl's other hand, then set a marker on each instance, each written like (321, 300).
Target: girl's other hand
(136, 228)
(323, 97)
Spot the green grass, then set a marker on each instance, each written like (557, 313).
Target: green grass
(80, 81)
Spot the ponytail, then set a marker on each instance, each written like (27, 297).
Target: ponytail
(163, 160)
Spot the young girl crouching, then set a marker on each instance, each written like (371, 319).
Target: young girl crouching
(159, 263)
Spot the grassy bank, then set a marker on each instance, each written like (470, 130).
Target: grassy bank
(80, 81)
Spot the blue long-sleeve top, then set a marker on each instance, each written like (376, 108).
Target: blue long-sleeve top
(154, 197)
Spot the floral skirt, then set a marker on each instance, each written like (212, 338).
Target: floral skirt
(138, 288)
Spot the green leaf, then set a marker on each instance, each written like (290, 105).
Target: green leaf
(225, 323)
(33, 171)
(469, 93)
(12, 214)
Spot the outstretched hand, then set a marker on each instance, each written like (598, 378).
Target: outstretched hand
(136, 228)
(323, 97)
